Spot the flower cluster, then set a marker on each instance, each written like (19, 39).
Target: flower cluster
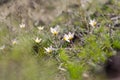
(55, 31)
(68, 37)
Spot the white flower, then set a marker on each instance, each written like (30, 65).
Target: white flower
(71, 35)
(22, 25)
(14, 41)
(37, 40)
(49, 49)
(68, 37)
(2, 47)
(93, 23)
(40, 28)
(55, 30)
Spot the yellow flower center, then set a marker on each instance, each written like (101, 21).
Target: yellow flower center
(55, 33)
(94, 23)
